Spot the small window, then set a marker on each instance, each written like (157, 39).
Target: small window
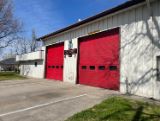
(53, 66)
(101, 67)
(35, 64)
(61, 66)
(84, 67)
(112, 68)
(158, 68)
(92, 67)
(57, 66)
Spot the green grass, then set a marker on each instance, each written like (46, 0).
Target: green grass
(10, 76)
(119, 109)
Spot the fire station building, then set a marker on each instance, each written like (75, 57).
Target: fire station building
(118, 49)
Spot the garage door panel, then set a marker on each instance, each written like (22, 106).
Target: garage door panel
(100, 55)
(54, 62)
(88, 77)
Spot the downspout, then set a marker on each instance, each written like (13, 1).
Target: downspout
(151, 17)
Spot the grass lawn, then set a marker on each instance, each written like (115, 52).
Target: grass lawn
(119, 109)
(10, 76)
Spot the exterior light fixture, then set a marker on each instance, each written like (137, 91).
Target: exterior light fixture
(70, 44)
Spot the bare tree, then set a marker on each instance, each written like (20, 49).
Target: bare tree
(9, 27)
(34, 44)
(21, 46)
(9, 54)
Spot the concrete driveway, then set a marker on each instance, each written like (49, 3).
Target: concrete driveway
(46, 100)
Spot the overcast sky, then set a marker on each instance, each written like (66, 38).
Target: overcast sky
(46, 16)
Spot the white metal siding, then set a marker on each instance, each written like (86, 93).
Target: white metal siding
(70, 66)
(28, 69)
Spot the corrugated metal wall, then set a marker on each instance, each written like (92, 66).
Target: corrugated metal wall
(140, 35)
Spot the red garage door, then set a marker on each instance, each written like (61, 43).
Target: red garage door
(54, 62)
(99, 60)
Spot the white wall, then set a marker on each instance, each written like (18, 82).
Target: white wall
(140, 35)
(30, 70)
(38, 55)
(70, 64)
(136, 55)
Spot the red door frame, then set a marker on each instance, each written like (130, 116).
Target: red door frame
(78, 56)
(46, 57)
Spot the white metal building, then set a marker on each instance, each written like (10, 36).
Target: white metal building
(116, 49)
